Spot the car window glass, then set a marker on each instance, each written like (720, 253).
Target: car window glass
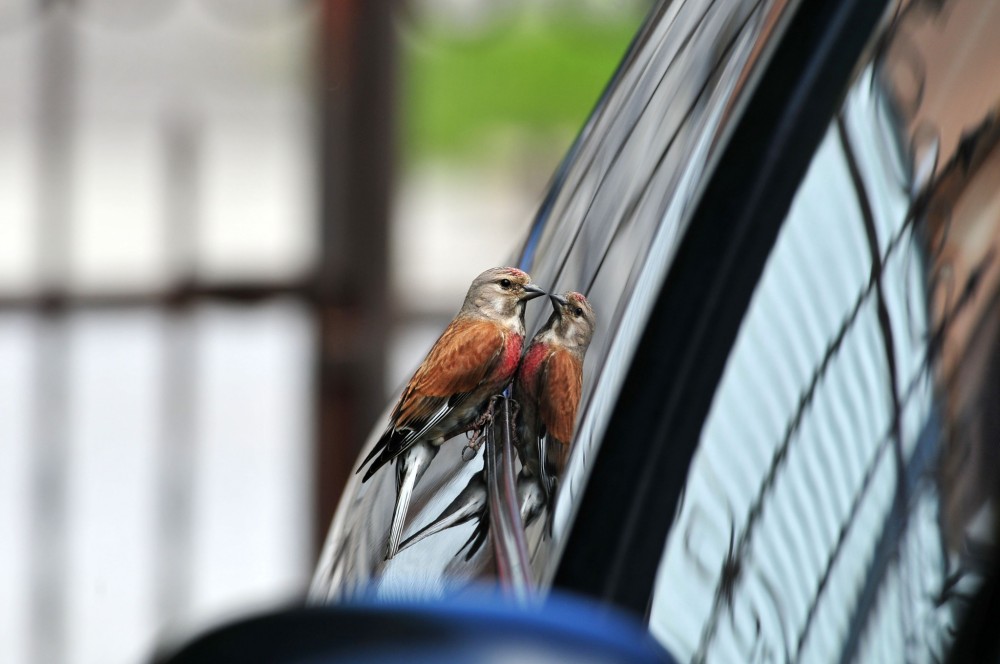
(795, 449)
(841, 502)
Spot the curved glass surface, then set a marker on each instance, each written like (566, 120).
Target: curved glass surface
(841, 503)
(608, 228)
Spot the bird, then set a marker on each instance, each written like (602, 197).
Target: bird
(547, 389)
(472, 361)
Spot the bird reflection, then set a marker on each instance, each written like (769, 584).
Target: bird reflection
(547, 391)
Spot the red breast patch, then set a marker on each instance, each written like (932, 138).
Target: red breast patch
(531, 365)
(511, 356)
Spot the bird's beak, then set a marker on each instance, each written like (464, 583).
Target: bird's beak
(531, 291)
(558, 301)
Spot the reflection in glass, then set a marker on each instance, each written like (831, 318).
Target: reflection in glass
(842, 501)
(794, 468)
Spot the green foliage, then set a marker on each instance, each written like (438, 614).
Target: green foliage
(538, 77)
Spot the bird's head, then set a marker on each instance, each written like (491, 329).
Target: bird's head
(500, 293)
(572, 321)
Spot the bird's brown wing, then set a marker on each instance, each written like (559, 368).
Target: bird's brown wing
(464, 357)
(460, 361)
(559, 396)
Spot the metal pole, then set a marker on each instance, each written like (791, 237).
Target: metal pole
(356, 138)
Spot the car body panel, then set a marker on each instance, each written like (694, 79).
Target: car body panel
(608, 227)
(787, 218)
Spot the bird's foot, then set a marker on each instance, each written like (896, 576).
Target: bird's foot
(477, 432)
(476, 436)
(476, 440)
(485, 419)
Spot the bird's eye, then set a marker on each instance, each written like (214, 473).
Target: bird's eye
(505, 283)
(578, 311)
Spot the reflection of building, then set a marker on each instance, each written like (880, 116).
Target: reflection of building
(857, 513)
(822, 399)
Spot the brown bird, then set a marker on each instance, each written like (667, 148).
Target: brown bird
(547, 390)
(473, 360)
(548, 385)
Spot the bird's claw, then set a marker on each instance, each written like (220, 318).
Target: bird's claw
(486, 418)
(477, 434)
(469, 451)
(477, 437)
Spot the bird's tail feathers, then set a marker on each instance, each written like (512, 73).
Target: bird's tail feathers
(451, 517)
(382, 453)
(477, 538)
(399, 514)
(410, 467)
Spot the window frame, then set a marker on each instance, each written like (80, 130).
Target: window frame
(615, 545)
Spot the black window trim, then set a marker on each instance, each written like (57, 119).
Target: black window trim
(614, 548)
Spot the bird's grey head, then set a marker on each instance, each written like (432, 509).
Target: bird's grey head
(500, 294)
(572, 321)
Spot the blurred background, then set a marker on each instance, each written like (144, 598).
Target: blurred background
(228, 232)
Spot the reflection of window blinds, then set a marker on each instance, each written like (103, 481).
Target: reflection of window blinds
(795, 475)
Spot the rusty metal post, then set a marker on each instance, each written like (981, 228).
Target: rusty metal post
(356, 139)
